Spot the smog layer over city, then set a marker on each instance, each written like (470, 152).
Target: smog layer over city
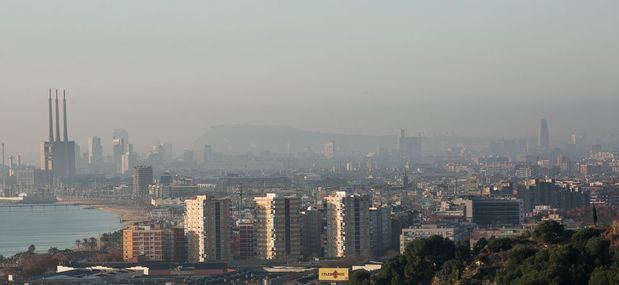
(309, 142)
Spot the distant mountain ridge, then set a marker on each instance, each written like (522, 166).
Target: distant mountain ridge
(236, 139)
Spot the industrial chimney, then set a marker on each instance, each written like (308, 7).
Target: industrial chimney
(65, 135)
(51, 119)
(57, 118)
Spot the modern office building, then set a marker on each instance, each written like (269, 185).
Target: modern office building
(492, 212)
(207, 228)
(142, 178)
(277, 224)
(348, 226)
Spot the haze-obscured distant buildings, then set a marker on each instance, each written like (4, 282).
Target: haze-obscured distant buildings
(95, 151)
(329, 150)
(58, 154)
(544, 135)
(409, 147)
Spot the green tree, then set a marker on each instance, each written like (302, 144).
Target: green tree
(392, 271)
(599, 250)
(451, 272)
(479, 246)
(31, 249)
(595, 216)
(549, 232)
(111, 240)
(581, 237)
(360, 277)
(52, 251)
(604, 276)
(92, 243)
(420, 261)
(499, 244)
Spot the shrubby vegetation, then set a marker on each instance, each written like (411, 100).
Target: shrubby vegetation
(549, 255)
(30, 263)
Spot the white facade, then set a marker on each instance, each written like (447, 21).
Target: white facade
(408, 235)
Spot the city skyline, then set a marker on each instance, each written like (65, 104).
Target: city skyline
(306, 142)
(108, 146)
(403, 65)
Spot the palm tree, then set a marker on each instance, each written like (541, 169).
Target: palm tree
(85, 243)
(52, 251)
(93, 243)
(78, 243)
(31, 249)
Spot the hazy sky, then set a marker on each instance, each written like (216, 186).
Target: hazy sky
(167, 70)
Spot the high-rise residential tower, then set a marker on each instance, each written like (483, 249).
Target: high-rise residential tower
(95, 151)
(120, 147)
(277, 220)
(311, 233)
(207, 228)
(348, 225)
(127, 160)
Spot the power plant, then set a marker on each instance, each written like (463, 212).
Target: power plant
(58, 157)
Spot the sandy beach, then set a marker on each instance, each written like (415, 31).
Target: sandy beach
(129, 213)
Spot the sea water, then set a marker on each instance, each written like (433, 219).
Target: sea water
(50, 225)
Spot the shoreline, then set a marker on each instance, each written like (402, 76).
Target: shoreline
(61, 239)
(128, 214)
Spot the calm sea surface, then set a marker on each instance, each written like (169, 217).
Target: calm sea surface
(48, 226)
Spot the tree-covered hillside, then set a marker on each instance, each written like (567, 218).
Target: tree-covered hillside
(550, 254)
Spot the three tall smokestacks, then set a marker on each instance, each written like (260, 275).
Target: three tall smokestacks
(65, 132)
